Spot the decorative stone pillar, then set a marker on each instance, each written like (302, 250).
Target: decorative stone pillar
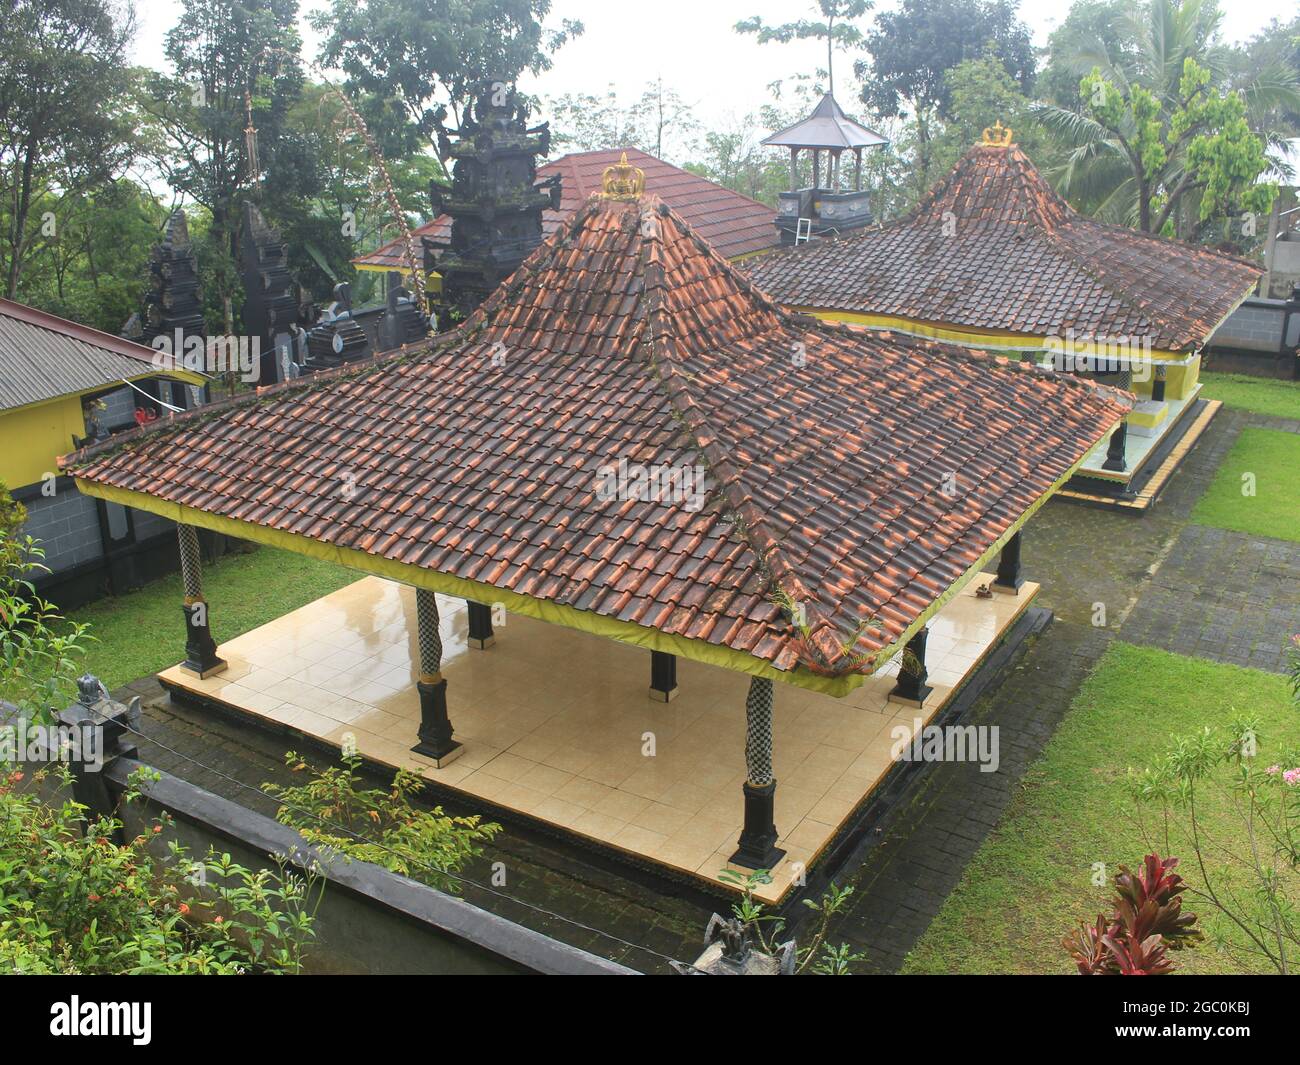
(663, 676)
(200, 648)
(757, 847)
(911, 689)
(1009, 578)
(1115, 448)
(480, 625)
(435, 725)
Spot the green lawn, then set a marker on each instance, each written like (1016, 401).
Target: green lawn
(1261, 394)
(1273, 458)
(144, 631)
(1030, 882)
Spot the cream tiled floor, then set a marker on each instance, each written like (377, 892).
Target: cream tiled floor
(558, 724)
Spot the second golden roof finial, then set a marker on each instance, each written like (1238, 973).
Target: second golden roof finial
(622, 181)
(997, 136)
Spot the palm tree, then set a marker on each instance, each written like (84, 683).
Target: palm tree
(1103, 169)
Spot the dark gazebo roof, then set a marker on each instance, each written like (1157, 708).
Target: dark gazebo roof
(827, 127)
(625, 342)
(992, 247)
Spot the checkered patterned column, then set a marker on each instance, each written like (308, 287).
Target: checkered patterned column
(1116, 459)
(756, 848)
(758, 732)
(201, 658)
(428, 636)
(435, 725)
(191, 563)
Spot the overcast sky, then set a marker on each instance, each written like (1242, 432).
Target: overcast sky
(691, 43)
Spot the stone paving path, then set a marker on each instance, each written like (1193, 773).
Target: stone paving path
(1187, 588)
(1157, 579)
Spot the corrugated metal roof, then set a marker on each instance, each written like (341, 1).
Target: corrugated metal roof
(43, 356)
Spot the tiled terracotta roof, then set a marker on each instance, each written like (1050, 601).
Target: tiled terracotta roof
(993, 247)
(734, 224)
(625, 337)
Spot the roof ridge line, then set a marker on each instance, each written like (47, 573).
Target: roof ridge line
(750, 525)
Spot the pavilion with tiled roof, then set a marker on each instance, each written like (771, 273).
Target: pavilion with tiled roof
(733, 224)
(629, 439)
(993, 257)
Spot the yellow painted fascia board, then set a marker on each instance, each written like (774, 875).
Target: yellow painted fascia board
(377, 269)
(545, 610)
(462, 588)
(973, 338)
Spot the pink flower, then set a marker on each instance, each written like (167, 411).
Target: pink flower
(1292, 776)
(1273, 770)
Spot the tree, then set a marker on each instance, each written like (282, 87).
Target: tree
(659, 122)
(64, 127)
(587, 123)
(1087, 36)
(431, 54)
(231, 60)
(913, 48)
(1160, 138)
(981, 92)
(834, 27)
(328, 200)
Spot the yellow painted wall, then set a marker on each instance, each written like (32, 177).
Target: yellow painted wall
(32, 438)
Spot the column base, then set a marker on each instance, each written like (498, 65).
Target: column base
(440, 761)
(1007, 588)
(435, 726)
(201, 658)
(663, 696)
(481, 643)
(195, 669)
(756, 848)
(913, 698)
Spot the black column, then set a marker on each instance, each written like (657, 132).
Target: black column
(480, 625)
(1158, 385)
(663, 676)
(1009, 578)
(1115, 449)
(911, 688)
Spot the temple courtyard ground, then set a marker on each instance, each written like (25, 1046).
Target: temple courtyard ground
(1162, 623)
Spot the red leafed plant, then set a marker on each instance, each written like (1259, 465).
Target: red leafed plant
(1147, 922)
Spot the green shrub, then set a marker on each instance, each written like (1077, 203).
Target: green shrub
(77, 898)
(377, 825)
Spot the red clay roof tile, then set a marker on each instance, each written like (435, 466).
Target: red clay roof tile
(825, 450)
(993, 247)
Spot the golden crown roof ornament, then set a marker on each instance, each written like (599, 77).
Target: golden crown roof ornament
(997, 136)
(622, 181)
